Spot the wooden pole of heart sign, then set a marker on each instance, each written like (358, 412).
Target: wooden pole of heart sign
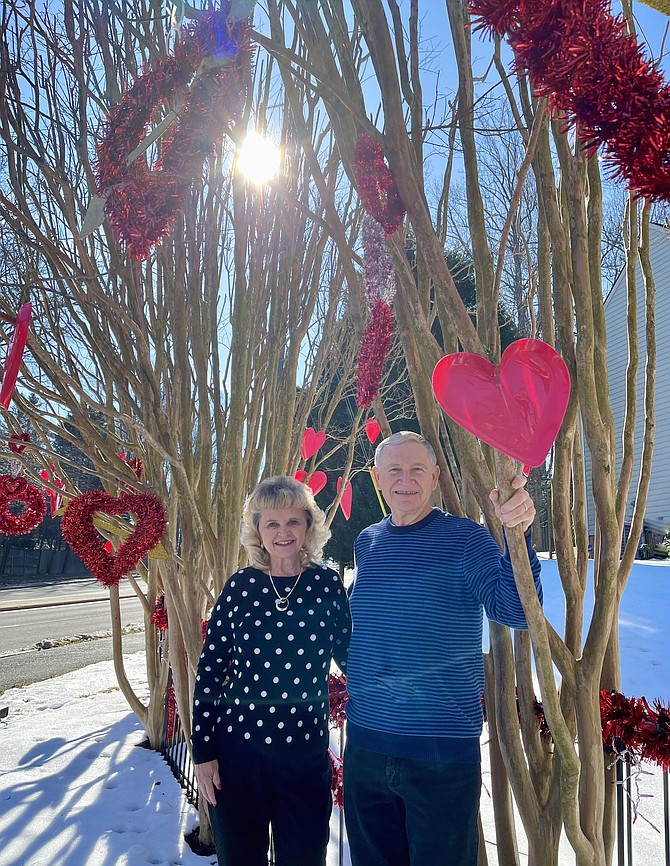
(538, 627)
(379, 496)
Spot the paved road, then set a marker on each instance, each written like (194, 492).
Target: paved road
(37, 665)
(32, 614)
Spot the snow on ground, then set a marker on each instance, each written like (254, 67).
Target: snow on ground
(77, 790)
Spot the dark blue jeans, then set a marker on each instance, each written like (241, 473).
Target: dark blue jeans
(401, 812)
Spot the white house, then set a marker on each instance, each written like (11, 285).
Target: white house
(657, 516)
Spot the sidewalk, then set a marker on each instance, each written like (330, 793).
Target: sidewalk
(86, 589)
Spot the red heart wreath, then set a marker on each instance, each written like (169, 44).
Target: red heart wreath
(141, 204)
(19, 490)
(82, 536)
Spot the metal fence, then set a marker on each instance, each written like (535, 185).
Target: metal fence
(175, 752)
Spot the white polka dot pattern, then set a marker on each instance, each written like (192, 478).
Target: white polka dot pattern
(281, 662)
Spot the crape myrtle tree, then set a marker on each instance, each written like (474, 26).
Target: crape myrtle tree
(562, 782)
(204, 360)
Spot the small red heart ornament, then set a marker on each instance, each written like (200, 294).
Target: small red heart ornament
(372, 429)
(347, 496)
(301, 476)
(18, 490)
(15, 354)
(312, 440)
(82, 536)
(317, 481)
(17, 443)
(516, 407)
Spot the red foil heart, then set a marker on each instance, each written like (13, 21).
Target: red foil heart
(312, 440)
(18, 490)
(516, 407)
(82, 536)
(372, 429)
(347, 496)
(317, 481)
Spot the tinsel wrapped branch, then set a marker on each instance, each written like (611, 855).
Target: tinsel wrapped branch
(595, 75)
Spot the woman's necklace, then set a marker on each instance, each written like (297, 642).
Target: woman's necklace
(281, 602)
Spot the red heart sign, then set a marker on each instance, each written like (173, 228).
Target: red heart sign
(517, 407)
(82, 536)
(347, 496)
(15, 354)
(311, 442)
(372, 429)
(317, 481)
(18, 490)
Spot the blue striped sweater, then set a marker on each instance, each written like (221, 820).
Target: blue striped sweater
(415, 673)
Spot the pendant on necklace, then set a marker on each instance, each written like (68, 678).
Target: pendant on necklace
(281, 604)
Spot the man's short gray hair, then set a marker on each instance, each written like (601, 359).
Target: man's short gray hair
(398, 439)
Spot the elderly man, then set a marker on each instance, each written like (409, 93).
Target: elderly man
(415, 673)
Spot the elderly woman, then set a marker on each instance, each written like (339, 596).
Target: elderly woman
(260, 717)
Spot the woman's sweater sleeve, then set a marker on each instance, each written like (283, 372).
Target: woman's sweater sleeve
(342, 629)
(211, 675)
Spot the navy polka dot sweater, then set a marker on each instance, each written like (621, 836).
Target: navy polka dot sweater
(262, 678)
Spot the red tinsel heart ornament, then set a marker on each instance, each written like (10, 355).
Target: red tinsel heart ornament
(312, 440)
(82, 536)
(517, 407)
(347, 496)
(19, 490)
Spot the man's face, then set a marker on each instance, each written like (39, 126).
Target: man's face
(407, 477)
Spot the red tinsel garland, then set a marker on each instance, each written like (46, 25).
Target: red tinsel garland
(338, 697)
(160, 617)
(141, 204)
(82, 536)
(582, 60)
(337, 782)
(19, 490)
(376, 185)
(375, 347)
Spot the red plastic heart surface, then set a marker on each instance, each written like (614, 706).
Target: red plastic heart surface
(516, 407)
(317, 481)
(372, 429)
(312, 440)
(347, 496)
(82, 536)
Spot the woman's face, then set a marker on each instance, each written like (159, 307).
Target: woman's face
(282, 532)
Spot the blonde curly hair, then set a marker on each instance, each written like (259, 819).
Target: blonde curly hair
(282, 491)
